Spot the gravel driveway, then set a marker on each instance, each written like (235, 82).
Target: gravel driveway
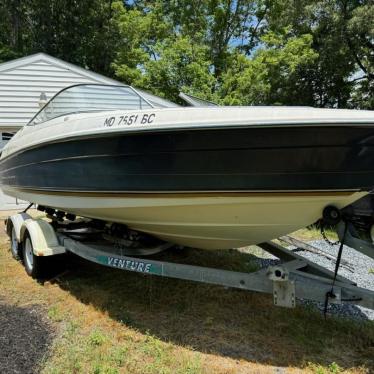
(361, 273)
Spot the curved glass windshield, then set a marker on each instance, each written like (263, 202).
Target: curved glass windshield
(91, 98)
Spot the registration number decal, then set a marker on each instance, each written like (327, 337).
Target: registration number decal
(133, 119)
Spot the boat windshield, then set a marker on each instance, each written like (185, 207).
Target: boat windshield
(91, 98)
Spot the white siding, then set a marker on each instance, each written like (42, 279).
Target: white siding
(20, 88)
(21, 83)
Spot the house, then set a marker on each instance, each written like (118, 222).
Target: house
(23, 83)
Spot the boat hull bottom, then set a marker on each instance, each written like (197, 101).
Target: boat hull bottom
(206, 221)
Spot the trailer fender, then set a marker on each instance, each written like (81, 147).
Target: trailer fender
(16, 221)
(43, 237)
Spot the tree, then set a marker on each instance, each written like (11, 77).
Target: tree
(76, 31)
(181, 65)
(268, 77)
(306, 52)
(341, 32)
(359, 34)
(202, 47)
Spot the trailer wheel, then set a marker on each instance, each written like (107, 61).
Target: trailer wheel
(35, 266)
(14, 245)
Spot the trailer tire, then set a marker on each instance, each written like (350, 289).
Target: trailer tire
(15, 247)
(35, 266)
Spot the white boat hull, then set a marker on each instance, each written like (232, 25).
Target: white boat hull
(207, 221)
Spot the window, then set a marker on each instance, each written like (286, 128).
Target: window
(5, 136)
(91, 98)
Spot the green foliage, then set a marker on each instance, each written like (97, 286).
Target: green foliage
(181, 66)
(80, 32)
(55, 314)
(343, 41)
(133, 29)
(360, 34)
(263, 79)
(96, 338)
(235, 52)
(333, 368)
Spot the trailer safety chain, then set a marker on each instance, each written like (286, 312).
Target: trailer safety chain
(331, 294)
(325, 238)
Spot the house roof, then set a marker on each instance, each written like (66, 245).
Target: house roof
(38, 57)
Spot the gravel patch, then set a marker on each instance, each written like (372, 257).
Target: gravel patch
(362, 275)
(25, 339)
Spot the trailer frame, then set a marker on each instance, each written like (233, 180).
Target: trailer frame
(294, 278)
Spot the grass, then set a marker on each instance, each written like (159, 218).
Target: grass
(314, 233)
(111, 321)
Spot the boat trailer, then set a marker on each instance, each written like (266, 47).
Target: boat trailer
(294, 278)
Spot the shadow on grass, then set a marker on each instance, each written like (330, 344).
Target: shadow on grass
(25, 338)
(226, 322)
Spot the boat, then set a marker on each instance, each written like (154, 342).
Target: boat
(204, 176)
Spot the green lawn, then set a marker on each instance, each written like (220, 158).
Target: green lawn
(111, 321)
